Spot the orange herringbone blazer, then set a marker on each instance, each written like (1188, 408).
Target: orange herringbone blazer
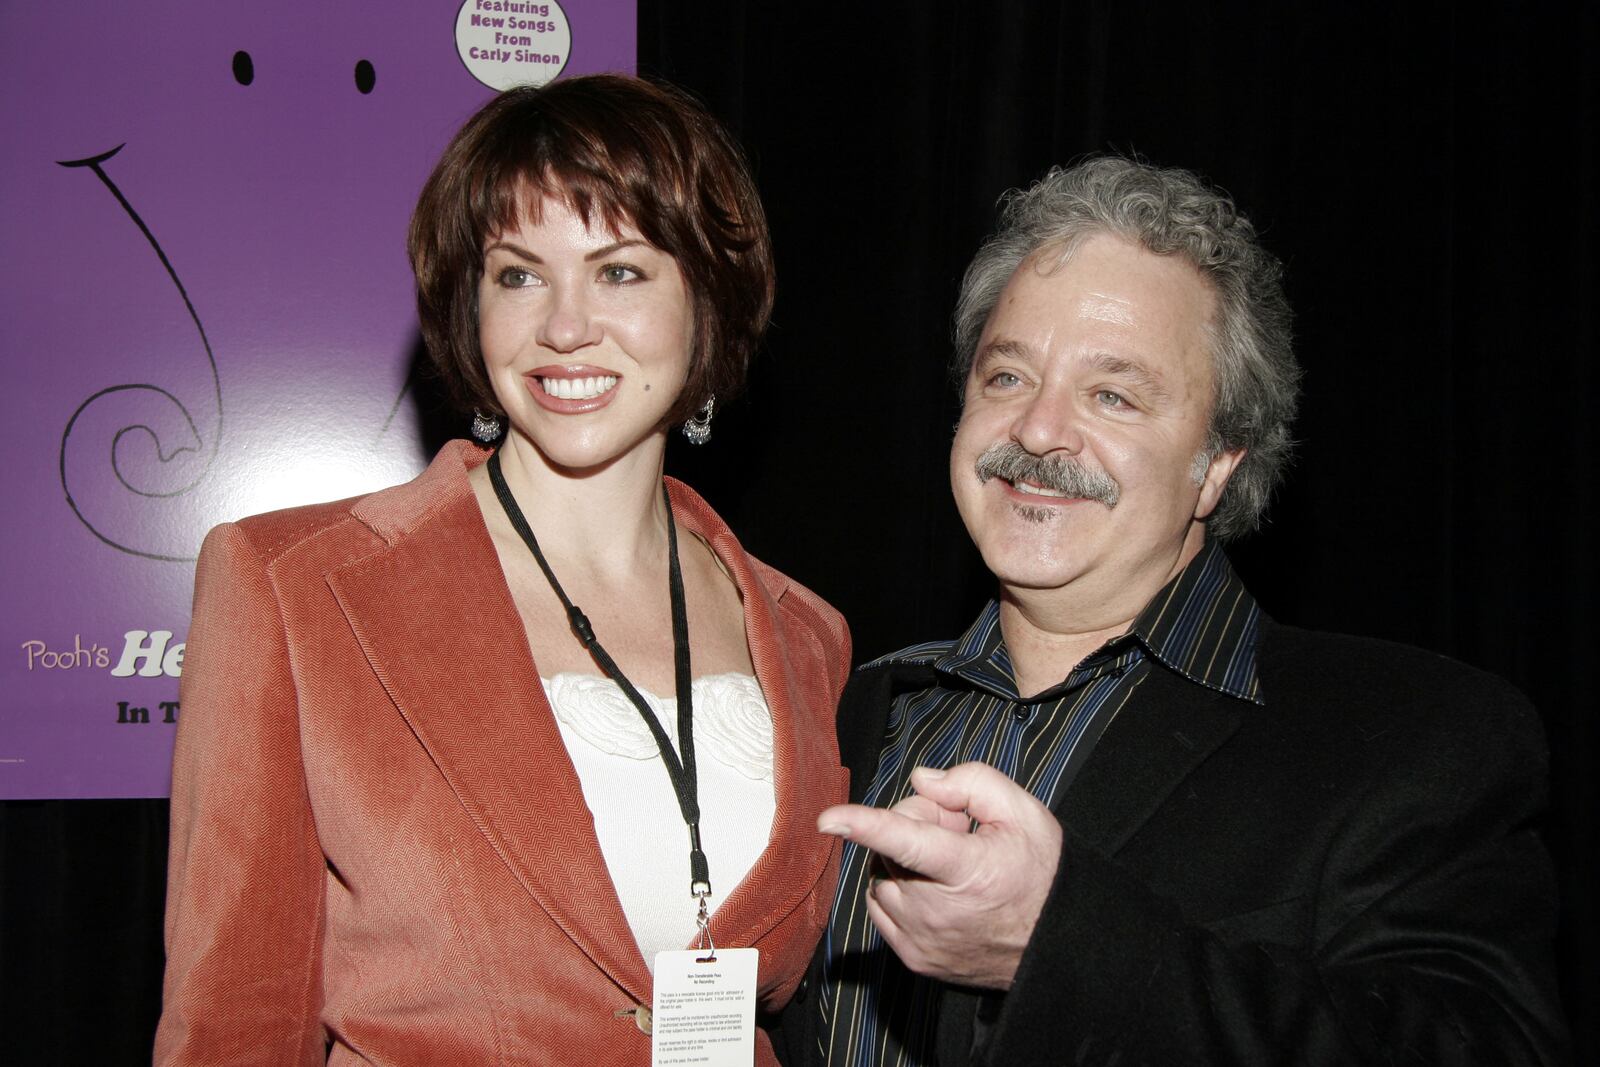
(380, 851)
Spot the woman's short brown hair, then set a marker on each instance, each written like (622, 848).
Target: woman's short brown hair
(630, 150)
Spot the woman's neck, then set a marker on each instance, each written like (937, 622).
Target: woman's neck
(608, 520)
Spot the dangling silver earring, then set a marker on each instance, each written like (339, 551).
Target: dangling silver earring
(698, 429)
(485, 428)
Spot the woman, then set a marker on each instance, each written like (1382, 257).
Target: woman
(397, 836)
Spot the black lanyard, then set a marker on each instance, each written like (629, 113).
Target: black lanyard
(682, 773)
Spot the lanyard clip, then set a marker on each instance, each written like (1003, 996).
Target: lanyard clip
(703, 921)
(699, 869)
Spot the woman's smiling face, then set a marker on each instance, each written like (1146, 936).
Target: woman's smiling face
(586, 334)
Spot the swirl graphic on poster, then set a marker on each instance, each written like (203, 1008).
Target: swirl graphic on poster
(183, 457)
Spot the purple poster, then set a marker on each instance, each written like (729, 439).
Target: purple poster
(206, 312)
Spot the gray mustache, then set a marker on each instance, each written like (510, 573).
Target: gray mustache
(1062, 474)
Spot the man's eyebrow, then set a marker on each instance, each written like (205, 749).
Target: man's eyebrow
(1143, 377)
(1002, 348)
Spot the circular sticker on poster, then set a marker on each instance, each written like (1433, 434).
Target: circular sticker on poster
(504, 43)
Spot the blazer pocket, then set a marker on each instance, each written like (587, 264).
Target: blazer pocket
(1283, 922)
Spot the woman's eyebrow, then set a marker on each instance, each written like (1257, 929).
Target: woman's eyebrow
(515, 249)
(616, 246)
(598, 253)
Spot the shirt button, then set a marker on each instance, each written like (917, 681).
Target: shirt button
(1022, 712)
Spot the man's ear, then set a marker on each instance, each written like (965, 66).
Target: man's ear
(1218, 471)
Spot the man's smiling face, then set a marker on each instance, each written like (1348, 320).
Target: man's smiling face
(1080, 457)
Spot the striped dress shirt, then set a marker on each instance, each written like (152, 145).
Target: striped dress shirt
(1202, 625)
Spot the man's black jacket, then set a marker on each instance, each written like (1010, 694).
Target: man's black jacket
(1350, 872)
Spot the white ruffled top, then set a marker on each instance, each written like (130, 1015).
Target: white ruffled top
(630, 795)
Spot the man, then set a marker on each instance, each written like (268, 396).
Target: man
(1196, 836)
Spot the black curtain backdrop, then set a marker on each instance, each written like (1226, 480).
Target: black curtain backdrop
(1426, 173)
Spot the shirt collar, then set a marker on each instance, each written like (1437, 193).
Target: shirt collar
(980, 655)
(1202, 624)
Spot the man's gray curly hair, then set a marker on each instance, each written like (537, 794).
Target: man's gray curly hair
(1168, 211)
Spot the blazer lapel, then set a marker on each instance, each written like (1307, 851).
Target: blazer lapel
(436, 621)
(863, 717)
(795, 853)
(1166, 730)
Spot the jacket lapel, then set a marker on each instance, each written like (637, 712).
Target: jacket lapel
(863, 717)
(1162, 735)
(435, 619)
(796, 854)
